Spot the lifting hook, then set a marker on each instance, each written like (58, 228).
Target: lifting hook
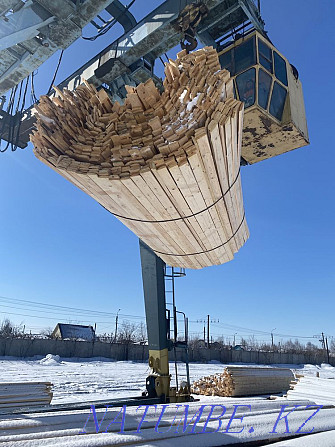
(187, 22)
(192, 44)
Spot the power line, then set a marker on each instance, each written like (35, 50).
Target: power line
(38, 316)
(233, 327)
(55, 307)
(57, 319)
(253, 331)
(58, 312)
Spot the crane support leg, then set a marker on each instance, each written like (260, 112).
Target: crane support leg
(158, 382)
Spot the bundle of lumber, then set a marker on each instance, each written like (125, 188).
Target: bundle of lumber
(244, 381)
(23, 394)
(167, 165)
(320, 391)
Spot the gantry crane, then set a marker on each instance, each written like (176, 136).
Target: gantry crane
(269, 86)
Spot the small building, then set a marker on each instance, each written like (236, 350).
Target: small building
(238, 348)
(64, 331)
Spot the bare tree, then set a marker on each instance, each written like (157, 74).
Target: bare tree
(47, 332)
(127, 333)
(244, 343)
(311, 347)
(195, 341)
(253, 343)
(9, 330)
(142, 336)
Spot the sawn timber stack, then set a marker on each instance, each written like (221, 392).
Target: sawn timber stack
(23, 394)
(167, 165)
(245, 381)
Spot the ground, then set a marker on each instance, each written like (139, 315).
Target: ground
(95, 379)
(92, 379)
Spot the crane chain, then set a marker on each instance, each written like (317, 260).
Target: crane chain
(187, 22)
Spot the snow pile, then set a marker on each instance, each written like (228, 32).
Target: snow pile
(50, 360)
(182, 96)
(324, 371)
(191, 104)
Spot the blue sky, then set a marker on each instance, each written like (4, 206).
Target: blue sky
(58, 246)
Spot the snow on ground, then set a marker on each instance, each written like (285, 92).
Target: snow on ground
(95, 379)
(100, 378)
(325, 371)
(222, 427)
(324, 439)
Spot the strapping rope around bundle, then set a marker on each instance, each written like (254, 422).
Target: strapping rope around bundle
(206, 251)
(181, 217)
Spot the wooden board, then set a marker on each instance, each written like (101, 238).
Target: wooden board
(245, 381)
(21, 394)
(166, 165)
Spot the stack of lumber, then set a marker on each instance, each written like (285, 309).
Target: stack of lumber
(244, 381)
(167, 165)
(23, 394)
(320, 391)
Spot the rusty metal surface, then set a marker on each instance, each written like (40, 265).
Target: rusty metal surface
(156, 34)
(70, 19)
(6, 5)
(264, 138)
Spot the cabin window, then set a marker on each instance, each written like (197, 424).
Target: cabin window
(264, 86)
(244, 55)
(265, 55)
(278, 101)
(280, 68)
(246, 87)
(226, 61)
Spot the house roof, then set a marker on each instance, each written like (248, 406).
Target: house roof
(76, 331)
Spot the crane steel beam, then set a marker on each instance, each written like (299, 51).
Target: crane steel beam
(154, 297)
(156, 34)
(6, 5)
(152, 36)
(35, 31)
(122, 15)
(23, 25)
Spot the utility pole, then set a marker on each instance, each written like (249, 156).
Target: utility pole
(207, 321)
(272, 344)
(326, 339)
(116, 321)
(208, 331)
(324, 342)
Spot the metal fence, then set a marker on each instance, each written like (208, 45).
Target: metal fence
(17, 347)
